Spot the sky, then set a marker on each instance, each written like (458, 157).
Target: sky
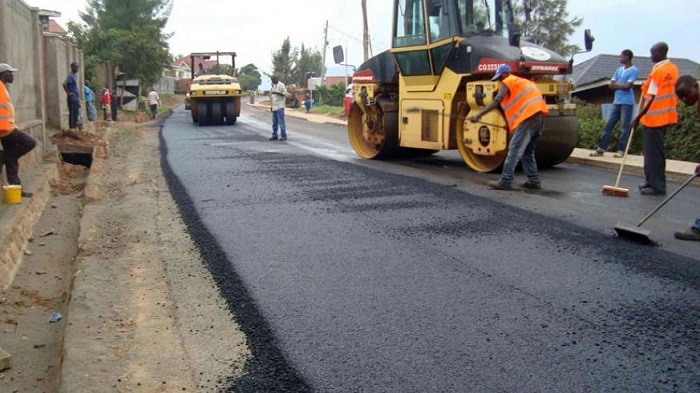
(254, 30)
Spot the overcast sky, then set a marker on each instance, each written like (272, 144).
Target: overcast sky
(254, 30)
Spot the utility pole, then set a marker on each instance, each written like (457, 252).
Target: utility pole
(325, 45)
(365, 32)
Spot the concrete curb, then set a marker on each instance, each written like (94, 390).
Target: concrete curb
(676, 171)
(17, 222)
(312, 117)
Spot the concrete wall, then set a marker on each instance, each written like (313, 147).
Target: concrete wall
(60, 52)
(36, 89)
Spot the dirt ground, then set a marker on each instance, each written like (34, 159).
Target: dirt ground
(139, 311)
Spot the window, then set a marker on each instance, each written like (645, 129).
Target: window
(410, 23)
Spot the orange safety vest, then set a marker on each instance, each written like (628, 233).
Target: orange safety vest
(662, 111)
(7, 112)
(523, 101)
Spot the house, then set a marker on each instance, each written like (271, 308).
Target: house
(591, 77)
(54, 27)
(338, 74)
(182, 68)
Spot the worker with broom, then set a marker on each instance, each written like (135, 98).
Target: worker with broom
(525, 108)
(687, 91)
(656, 115)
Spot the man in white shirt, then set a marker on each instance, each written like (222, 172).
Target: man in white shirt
(278, 96)
(153, 102)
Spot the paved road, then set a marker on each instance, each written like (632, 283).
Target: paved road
(349, 275)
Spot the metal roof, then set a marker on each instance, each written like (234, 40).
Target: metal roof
(601, 67)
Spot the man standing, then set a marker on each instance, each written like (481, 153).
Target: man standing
(90, 102)
(153, 102)
(70, 85)
(106, 99)
(278, 97)
(114, 104)
(524, 108)
(657, 113)
(15, 143)
(687, 91)
(623, 104)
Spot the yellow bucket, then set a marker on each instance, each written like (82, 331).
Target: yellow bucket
(12, 194)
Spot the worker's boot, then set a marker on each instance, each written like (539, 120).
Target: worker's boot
(690, 234)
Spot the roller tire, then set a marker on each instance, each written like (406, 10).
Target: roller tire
(387, 149)
(230, 112)
(203, 113)
(558, 140)
(216, 115)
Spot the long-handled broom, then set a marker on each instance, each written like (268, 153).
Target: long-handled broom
(616, 190)
(636, 232)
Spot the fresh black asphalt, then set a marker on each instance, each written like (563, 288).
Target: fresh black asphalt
(347, 278)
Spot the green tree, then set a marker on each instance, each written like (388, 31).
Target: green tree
(309, 61)
(547, 23)
(127, 33)
(283, 62)
(249, 77)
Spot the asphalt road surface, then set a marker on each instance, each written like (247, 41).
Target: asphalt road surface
(351, 275)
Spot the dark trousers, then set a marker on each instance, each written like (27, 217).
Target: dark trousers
(154, 110)
(73, 110)
(655, 158)
(15, 145)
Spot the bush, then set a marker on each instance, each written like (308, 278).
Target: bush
(332, 96)
(682, 140)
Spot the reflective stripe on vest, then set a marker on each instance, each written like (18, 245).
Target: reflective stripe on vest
(662, 111)
(523, 101)
(7, 111)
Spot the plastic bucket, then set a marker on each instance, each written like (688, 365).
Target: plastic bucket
(12, 194)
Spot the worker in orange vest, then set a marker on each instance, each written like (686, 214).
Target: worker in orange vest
(15, 143)
(657, 113)
(525, 108)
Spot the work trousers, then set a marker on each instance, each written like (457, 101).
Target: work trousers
(73, 110)
(15, 145)
(655, 158)
(619, 111)
(522, 149)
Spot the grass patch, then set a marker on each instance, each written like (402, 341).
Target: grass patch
(324, 110)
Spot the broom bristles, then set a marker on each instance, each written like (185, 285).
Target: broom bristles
(616, 191)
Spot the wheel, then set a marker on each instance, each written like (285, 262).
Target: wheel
(202, 113)
(558, 140)
(479, 162)
(216, 115)
(230, 112)
(373, 139)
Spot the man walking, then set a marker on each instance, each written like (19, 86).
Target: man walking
(525, 108)
(687, 91)
(656, 115)
(70, 85)
(153, 102)
(623, 104)
(278, 97)
(15, 143)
